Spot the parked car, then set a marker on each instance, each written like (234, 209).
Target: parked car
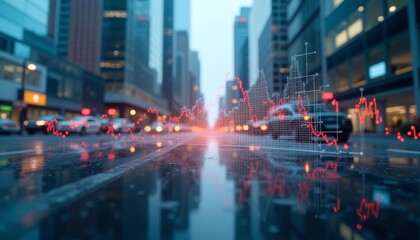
(122, 125)
(332, 122)
(258, 127)
(286, 119)
(81, 125)
(105, 124)
(42, 123)
(8, 126)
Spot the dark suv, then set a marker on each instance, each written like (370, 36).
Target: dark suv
(286, 119)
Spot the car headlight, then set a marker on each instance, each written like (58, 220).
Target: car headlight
(177, 128)
(245, 127)
(306, 118)
(147, 129)
(159, 129)
(115, 126)
(264, 127)
(25, 123)
(40, 123)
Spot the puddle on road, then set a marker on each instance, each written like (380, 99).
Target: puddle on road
(24, 177)
(216, 192)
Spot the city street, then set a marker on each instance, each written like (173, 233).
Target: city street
(209, 120)
(206, 185)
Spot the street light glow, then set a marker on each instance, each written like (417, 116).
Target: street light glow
(31, 67)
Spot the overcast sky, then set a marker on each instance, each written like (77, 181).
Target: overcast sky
(212, 36)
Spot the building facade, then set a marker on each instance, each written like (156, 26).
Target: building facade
(131, 55)
(365, 47)
(241, 46)
(56, 86)
(183, 84)
(268, 43)
(168, 53)
(195, 70)
(75, 27)
(369, 45)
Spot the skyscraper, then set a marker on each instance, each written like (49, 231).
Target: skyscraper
(183, 84)
(131, 60)
(176, 74)
(53, 85)
(195, 70)
(268, 42)
(241, 46)
(168, 53)
(75, 27)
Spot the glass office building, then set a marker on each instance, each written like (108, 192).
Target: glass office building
(56, 86)
(241, 46)
(369, 45)
(362, 44)
(268, 43)
(131, 64)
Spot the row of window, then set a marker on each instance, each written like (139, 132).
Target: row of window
(13, 72)
(365, 17)
(373, 64)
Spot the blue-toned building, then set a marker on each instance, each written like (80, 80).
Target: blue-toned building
(132, 55)
(57, 86)
(369, 44)
(241, 46)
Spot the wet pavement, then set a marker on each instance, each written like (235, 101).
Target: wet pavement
(210, 186)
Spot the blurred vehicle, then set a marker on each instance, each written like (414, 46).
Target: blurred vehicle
(81, 125)
(122, 125)
(156, 127)
(259, 127)
(8, 126)
(105, 124)
(286, 120)
(41, 124)
(331, 122)
(175, 127)
(178, 127)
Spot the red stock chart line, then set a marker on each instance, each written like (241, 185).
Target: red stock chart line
(367, 209)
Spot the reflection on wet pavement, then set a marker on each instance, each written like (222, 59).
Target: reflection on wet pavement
(207, 190)
(25, 177)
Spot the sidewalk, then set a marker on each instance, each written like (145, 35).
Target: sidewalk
(381, 138)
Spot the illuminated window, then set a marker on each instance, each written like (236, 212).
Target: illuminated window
(112, 64)
(8, 71)
(341, 38)
(376, 62)
(115, 14)
(234, 101)
(234, 87)
(355, 28)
